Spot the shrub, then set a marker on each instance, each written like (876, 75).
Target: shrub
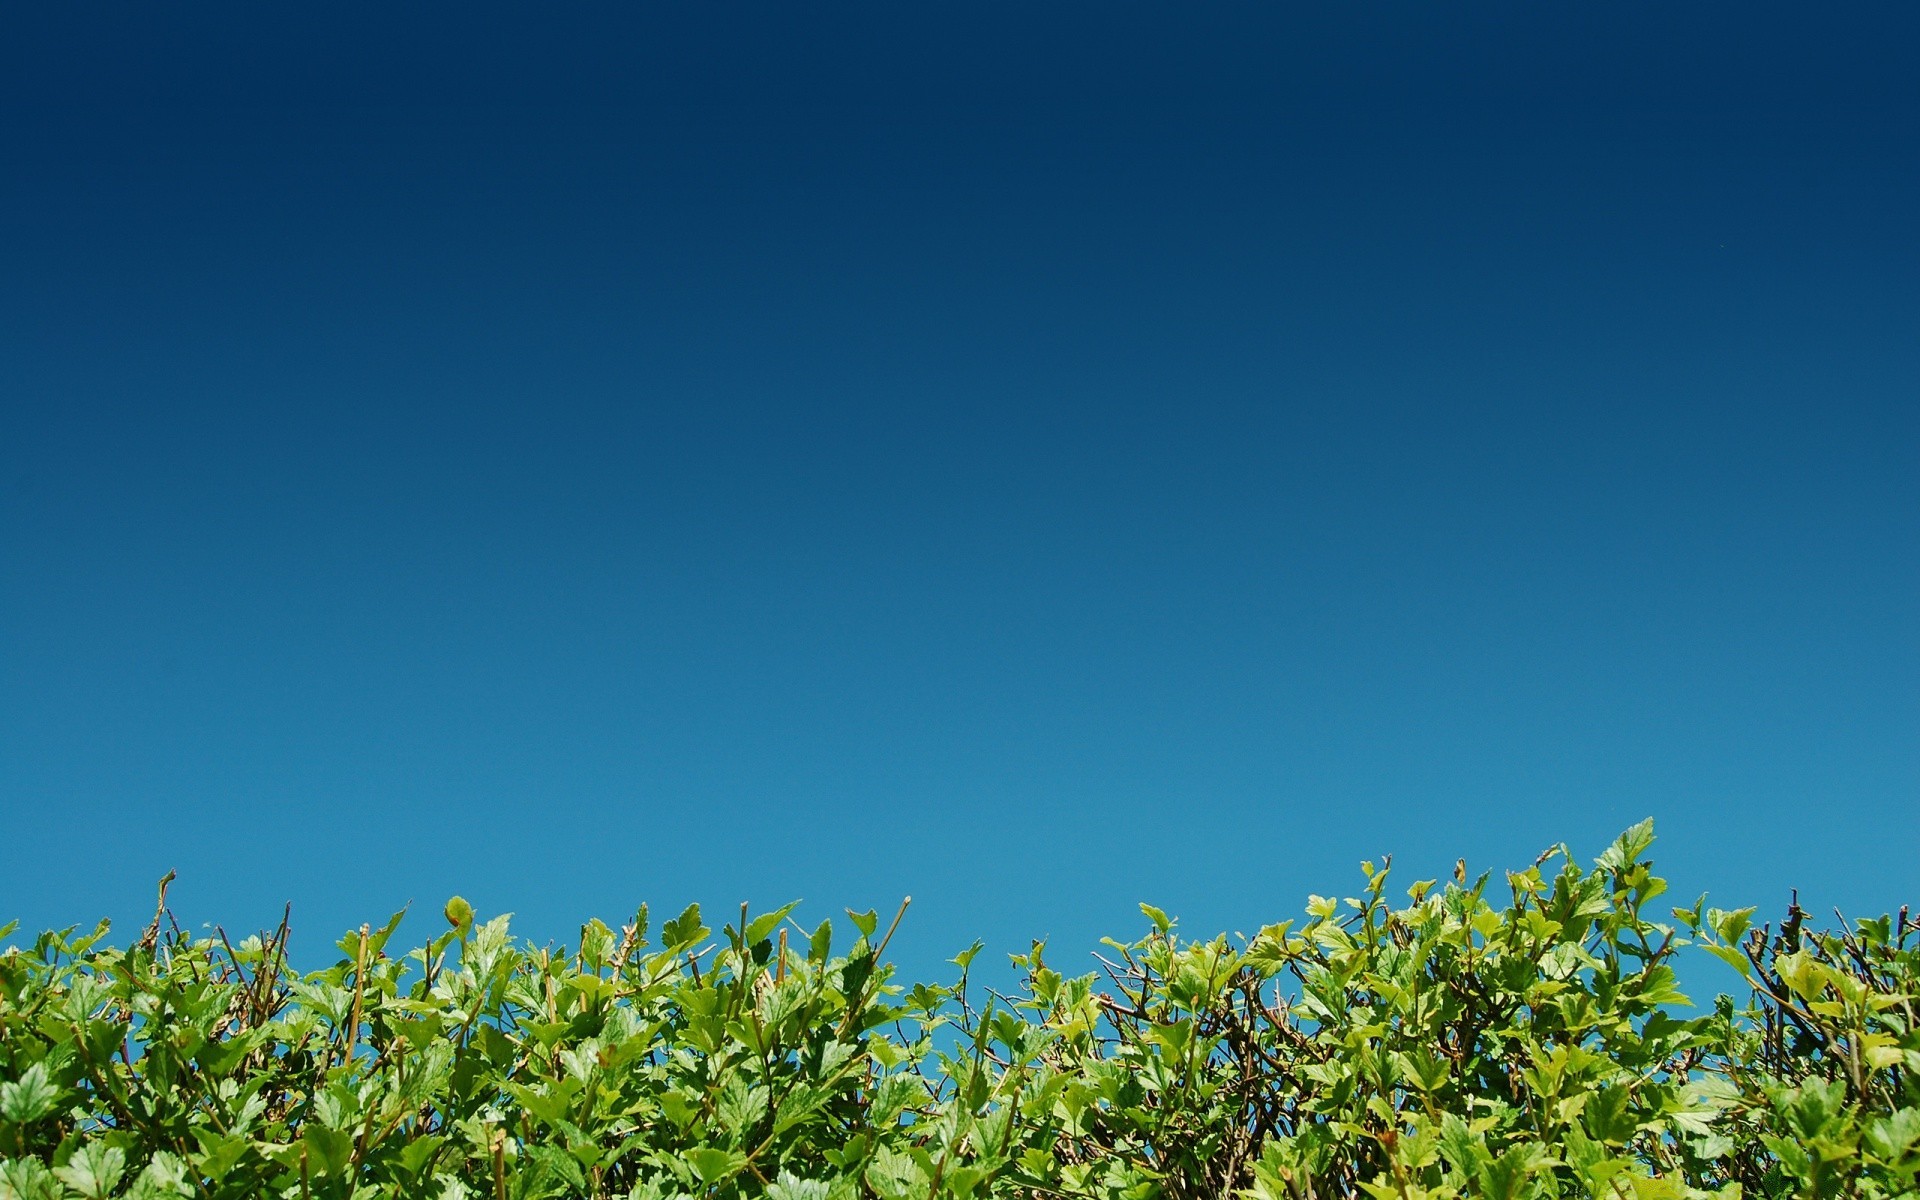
(1460, 1045)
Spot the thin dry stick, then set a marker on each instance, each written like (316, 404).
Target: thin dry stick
(151, 937)
(882, 948)
(359, 987)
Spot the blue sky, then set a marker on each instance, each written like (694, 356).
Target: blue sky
(1036, 458)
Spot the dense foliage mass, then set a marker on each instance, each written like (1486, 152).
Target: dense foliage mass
(1453, 1046)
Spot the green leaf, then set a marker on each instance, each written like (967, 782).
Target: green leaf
(30, 1097)
(715, 1166)
(1892, 1136)
(459, 913)
(1629, 848)
(94, 1170)
(164, 1178)
(762, 927)
(684, 930)
(220, 1152)
(1732, 958)
(791, 1187)
(418, 1152)
(328, 1150)
(1428, 1071)
(1731, 926)
(1505, 1178)
(28, 1179)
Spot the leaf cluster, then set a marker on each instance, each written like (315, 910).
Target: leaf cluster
(1470, 1041)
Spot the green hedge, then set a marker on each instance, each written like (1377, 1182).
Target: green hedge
(1521, 1040)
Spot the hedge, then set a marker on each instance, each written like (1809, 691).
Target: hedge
(1527, 1039)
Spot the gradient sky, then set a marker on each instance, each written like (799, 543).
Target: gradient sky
(1035, 457)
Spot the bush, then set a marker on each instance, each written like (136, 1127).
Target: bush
(1450, 1047)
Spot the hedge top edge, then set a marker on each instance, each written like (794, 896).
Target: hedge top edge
(1501, 1041)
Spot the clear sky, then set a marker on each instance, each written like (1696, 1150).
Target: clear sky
(1035, 457)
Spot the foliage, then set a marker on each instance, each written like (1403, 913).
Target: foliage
(1532, 1043)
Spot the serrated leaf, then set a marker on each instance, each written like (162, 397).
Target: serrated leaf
(714, 1165)
(94, 1170)
(30, 1097)
(762, 927)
